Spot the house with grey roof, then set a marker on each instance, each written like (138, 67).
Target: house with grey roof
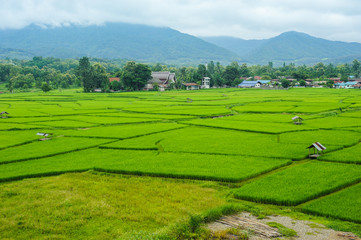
(164, 80)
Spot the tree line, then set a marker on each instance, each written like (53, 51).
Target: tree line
(91, 74)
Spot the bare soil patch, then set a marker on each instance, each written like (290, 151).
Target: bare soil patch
(259, 229)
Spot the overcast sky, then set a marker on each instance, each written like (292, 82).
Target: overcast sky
(247, 19)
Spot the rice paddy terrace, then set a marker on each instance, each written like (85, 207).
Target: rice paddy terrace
(243, 136)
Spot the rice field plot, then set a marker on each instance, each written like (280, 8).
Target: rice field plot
(206, 140)
(300, 183)
(345, 205)
(39, 149)
(24, 109)
(318, 107)
(183, 110)
(267, 117)
(143, 104)
(235, 147)
(153, 163)
(11, 138)
(347, 155)
(261, 127)
(65, 123)
(122, 131)
(325, 137)
(57, 111)
(97, 120)
(217, 141)
(17, 126)
(333, 122)
(28, 120)
(106, 103)
(266, 107)
(355, 114)
(141, 115)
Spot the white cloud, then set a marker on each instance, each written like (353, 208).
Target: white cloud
(331, 19)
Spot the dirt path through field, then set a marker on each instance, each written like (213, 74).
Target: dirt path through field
(306, 230)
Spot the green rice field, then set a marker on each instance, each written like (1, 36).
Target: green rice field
(242, 141)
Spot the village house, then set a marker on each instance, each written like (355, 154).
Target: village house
(164, 80)
(336, 80)
(254, 84)
(206, 82)
(191, 86)
(352, 84)
(358, 85)
(358, 80)
(249, 84)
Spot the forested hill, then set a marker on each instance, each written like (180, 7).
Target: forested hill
(295, 47)
(156, 44)
(112, 41)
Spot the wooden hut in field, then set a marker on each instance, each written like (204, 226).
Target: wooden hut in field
(297, 120)
(44, 135)
(315, 150)
(4, 114)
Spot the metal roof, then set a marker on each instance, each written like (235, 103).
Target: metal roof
(318, 146)
(297, 117)
(164, 76)
(248, 83)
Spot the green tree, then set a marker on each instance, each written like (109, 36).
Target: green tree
(344, 77)
(319, 69)
(21, 81)
(329, 84)
(45, 87)
(218, 80)
(230, 74)
(4, 72)
(155, 87)
(302, 83)
(211, 67)
(92, 77)
(356, 68)
(115, 86)
(218, 68)
(157, 68)
(182, 73)
(266, 77)
(85, 73)
(201, 71)
(135, 76)
(330, 71)
(244, 71)
(285, 83)
(99, 77)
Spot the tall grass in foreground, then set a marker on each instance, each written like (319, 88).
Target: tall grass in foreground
(98, 206)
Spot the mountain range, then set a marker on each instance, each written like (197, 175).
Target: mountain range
(295, 47)
(112, 41)
(166, 45)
